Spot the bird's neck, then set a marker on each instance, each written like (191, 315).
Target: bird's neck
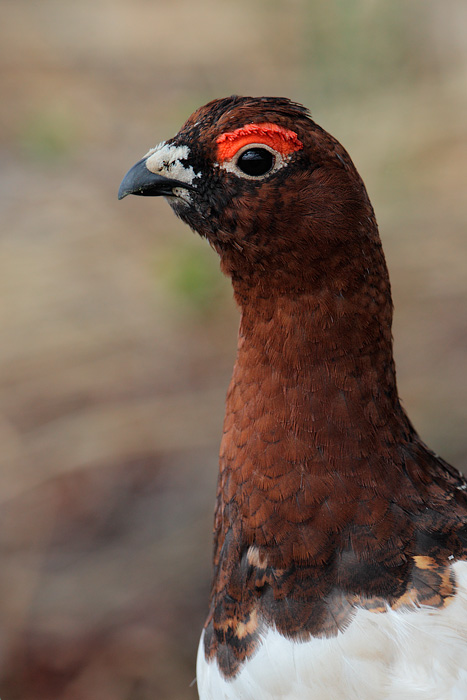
(312, 418)
(314, 379)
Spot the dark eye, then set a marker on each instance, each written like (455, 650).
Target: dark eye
(256, 161)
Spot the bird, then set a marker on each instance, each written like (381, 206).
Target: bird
(340, 538)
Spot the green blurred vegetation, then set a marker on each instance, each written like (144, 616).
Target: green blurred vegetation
(191, 276)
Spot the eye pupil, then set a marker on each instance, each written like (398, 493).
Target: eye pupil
(256, 161)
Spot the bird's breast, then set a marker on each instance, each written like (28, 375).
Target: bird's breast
(402, 654)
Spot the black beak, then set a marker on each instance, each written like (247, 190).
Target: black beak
(139, 180)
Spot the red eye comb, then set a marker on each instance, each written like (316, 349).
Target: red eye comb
(277, 137)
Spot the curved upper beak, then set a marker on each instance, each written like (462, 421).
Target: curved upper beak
(141, 181)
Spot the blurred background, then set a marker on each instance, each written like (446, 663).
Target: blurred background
(118, 331)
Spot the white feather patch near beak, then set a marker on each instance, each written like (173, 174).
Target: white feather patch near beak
(166, 159)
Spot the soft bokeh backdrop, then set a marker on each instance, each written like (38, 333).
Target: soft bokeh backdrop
(118, 331)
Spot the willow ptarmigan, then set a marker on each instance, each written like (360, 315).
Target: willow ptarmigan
(340, 539)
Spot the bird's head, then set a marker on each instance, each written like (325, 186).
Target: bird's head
(276, 196)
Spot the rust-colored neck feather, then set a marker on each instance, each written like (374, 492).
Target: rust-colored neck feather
(313, 421)
(314, 382)
(314, 389)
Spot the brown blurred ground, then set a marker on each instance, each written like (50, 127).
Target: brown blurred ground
(118, 333)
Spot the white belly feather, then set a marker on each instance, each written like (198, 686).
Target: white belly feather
(414, 655)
